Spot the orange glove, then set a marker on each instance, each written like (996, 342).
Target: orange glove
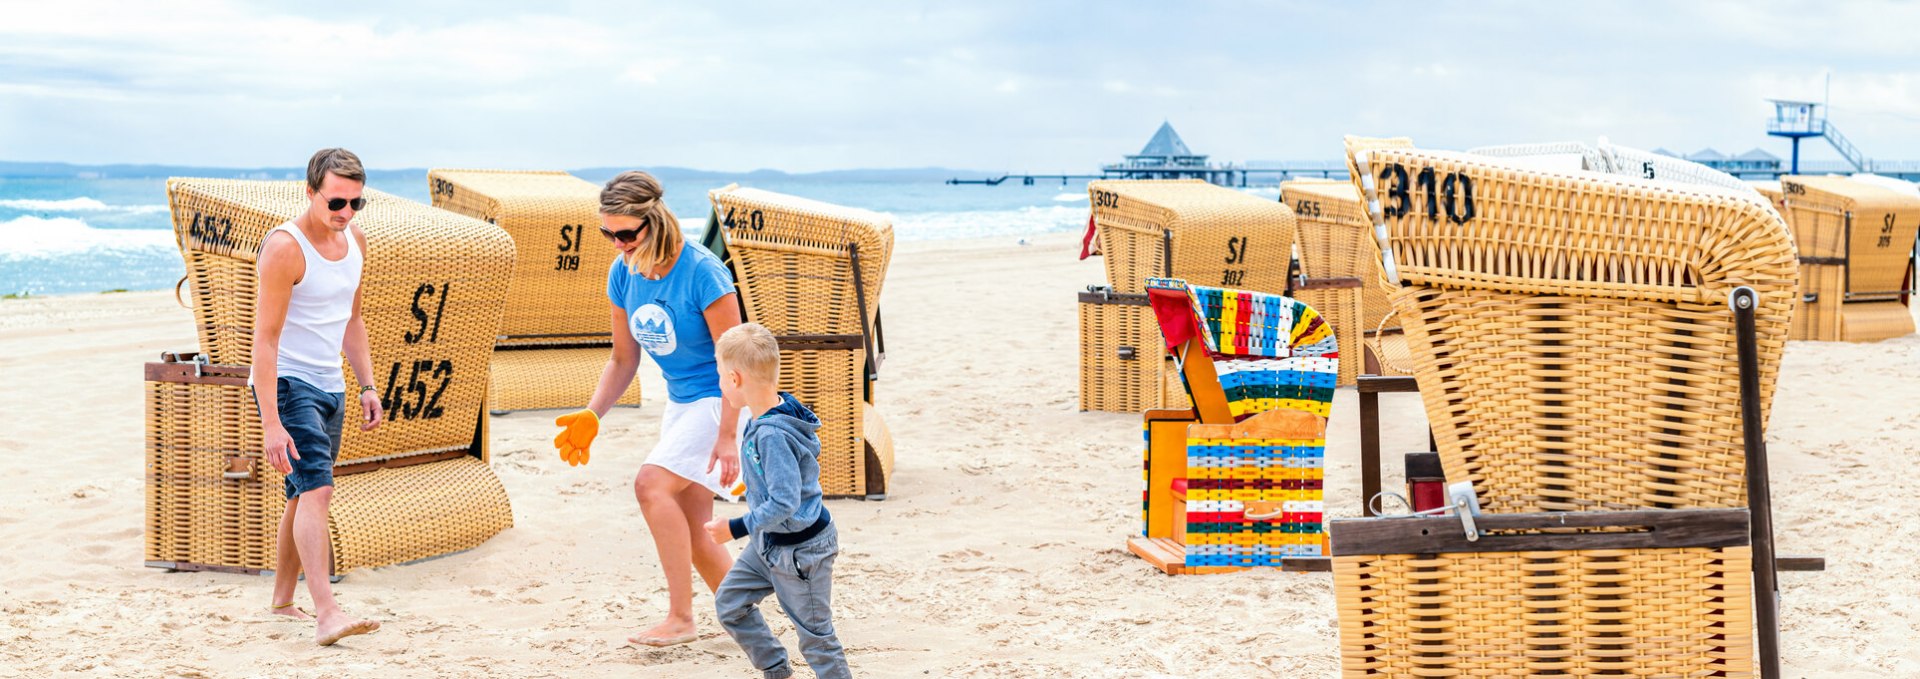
(577, 435)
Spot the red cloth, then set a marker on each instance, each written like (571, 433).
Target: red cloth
(1089, 246)
(1175, 314)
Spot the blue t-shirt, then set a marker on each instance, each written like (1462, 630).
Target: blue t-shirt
(667, 318)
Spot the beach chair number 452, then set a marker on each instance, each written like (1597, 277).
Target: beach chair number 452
(1456, 189)
(411, 400)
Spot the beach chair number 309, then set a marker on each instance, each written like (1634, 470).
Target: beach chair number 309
(570, 241)
(1456, 188)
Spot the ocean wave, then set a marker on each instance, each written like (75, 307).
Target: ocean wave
(29, 236)
(81, 204)
(1071, 197)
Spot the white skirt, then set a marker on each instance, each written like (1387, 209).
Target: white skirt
(687, 434)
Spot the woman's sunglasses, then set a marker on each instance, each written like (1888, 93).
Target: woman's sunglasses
(336, 204)
(625, 235)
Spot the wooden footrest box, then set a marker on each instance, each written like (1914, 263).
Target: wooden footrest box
(1124, 367)
(214, 504)
(1642, 593)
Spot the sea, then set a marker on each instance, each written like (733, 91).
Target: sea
(88, 234)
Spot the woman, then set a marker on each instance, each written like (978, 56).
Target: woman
(671, 298)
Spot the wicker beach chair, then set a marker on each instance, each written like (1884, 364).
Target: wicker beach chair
(1856, 243)
(1609, 158)
(1578, 343)
(434, 289)
(1186, 229)
(553, 340)
(811, 273)
(1340, 276)
(1235, 481)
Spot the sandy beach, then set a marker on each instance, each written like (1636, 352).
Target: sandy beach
(1000, 553)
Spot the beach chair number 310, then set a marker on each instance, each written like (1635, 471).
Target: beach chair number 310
(1456, 188)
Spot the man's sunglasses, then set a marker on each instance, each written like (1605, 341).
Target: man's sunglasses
(625, 235)
(336, 204)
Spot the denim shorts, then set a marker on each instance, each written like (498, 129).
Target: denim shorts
(313, 418)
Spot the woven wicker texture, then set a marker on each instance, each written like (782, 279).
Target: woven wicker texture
(794, 260)
(796, 276)
(1220, 236)
(197, 516)
(391, 516)
(560, 277)
(1608, 158)
(432, 293)
(533, 379)
(1629, 613)
(1569, 330)
(194, 515)
(1123, 363)
(828, 382)
(1872, 230)
(879, 442)
(1269, 353)
(1336, 241)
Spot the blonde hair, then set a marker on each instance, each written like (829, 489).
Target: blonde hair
(751, 349)
(637, 194)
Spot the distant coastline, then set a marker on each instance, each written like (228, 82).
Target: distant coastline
(54, 170)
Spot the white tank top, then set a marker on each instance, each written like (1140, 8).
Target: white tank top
(317, 314)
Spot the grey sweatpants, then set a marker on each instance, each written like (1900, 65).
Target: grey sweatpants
(801, 577)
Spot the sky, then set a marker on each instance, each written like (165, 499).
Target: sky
(994, 86)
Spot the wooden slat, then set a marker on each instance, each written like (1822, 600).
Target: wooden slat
(1327, 283)
(1107, 296)
(1380, 384)
(1663, 529)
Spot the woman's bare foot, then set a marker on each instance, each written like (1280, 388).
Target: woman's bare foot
(290, 611)
(333, 628)
(669, 633)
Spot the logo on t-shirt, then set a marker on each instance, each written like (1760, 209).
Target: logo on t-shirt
(653, 329)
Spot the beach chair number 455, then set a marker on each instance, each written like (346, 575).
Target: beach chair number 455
(1456, 190)
(410, 399)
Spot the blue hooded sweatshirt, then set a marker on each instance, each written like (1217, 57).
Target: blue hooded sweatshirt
(780, 461)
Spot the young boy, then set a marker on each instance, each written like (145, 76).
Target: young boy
(794, 541)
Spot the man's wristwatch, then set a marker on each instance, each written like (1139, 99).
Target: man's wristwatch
(364, 388)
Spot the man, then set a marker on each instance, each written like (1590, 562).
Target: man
(308, 310)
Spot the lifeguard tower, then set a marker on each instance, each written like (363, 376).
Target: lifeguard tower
(1798, 120)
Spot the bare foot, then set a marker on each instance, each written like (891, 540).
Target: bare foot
(669, 633)
(333, 628)
(289, 612)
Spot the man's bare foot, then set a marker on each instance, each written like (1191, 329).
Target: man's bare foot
(289, 610)
(669, 633)
(331, 629)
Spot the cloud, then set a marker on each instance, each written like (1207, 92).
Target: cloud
(1035, 86)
